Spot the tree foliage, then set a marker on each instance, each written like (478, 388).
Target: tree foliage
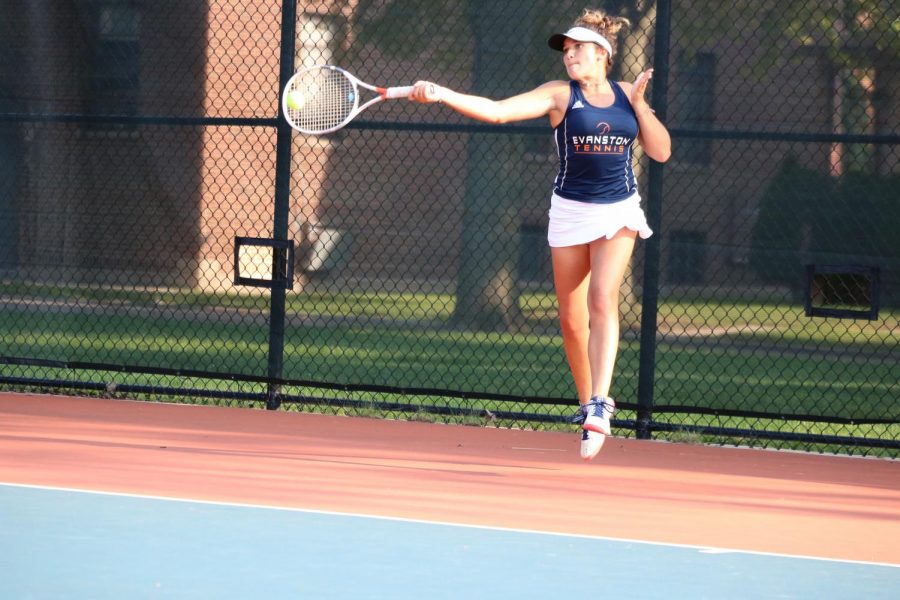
(850, 33)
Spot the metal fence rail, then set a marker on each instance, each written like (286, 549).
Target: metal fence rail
(141, 153)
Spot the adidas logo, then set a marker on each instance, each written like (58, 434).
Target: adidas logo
(577, 104)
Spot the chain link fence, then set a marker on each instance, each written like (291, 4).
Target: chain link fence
(163, 234)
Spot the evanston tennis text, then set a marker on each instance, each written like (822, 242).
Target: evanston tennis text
(600, 143)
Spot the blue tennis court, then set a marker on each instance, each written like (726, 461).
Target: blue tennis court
(57, 543)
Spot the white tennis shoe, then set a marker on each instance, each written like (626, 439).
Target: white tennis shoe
(595, 425)
(591, 442)
(597, 414)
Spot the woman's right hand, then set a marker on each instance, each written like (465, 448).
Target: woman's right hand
(426, 92)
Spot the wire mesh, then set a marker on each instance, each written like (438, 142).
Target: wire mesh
(138, 140)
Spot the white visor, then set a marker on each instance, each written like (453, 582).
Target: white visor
(579, 34)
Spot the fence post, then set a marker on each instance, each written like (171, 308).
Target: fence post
(282, 204)
(650, 296)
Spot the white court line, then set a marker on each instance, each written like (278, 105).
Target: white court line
(701, 549)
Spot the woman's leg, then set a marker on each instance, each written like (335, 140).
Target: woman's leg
(609, 259)
(571, 271)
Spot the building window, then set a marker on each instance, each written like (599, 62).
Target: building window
(113, 59)
(697, 77)
(687, 257)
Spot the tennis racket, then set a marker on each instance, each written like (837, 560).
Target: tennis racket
(322, 99)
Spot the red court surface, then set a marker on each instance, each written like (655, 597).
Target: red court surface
(727, 498)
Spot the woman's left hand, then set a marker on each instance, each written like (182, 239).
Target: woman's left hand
(653, 135)
(638, 88)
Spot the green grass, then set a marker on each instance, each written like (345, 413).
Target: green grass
(524, 365)
(784, 323)
(779, 323)
(759, 357)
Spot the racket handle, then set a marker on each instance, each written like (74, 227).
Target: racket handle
(398, 92)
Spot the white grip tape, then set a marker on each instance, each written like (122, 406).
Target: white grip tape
(398, 92)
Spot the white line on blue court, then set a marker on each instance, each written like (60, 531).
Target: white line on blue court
(702, 549)
(105, 544)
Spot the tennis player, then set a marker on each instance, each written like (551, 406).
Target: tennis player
(595, 211)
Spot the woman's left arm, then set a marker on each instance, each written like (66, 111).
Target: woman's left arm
(653, 136)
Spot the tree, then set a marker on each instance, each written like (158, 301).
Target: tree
(486, 289)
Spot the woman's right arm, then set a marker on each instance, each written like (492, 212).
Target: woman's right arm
(547, 99)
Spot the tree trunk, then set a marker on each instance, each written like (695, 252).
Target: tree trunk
(487, 294)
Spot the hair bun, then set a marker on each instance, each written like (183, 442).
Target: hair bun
(601, 22)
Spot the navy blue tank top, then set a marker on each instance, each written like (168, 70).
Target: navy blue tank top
(594, 147)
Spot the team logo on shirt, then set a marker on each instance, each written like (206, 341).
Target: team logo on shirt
(602, 143)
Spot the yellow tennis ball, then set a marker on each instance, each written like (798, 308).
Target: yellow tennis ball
(296, 100)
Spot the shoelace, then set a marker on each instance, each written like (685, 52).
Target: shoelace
(577, 418)
(581, 413)
(606, 408)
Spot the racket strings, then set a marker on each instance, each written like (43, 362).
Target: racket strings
(326, 98)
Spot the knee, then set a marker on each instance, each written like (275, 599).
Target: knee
(603, 303)
(573, 323)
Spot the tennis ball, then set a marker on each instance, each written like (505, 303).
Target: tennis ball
(296, 100)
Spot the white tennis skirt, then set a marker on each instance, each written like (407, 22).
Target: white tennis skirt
(573, 222)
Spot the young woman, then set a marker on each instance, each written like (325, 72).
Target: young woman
(595, 212)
